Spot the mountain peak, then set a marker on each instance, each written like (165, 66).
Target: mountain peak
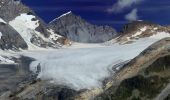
(135, 25)
(77, 29)
(65, 14)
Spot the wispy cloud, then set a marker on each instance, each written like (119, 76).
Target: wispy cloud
(132, 16)
(121, 5)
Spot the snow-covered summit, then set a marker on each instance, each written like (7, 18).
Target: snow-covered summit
(70, 12)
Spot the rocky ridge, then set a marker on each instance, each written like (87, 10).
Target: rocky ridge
(77, 29)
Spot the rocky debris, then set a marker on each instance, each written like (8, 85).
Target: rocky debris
(14, 76)
(139, 29)
(77, 29)
(136, 25)
(41, 90)
(144, 77)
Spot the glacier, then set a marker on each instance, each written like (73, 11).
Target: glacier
(86, 67)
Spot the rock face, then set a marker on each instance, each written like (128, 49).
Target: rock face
(7, 40)
(77, 29)
(13, 76)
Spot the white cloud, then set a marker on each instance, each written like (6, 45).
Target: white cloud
(132, 16)
(122, 4)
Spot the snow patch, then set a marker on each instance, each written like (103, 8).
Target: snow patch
(160, 35)
(27, 21)
(155, 28)
(5, 60)
(140, 32)
(53, 36)
(0, 35)
(2, 21)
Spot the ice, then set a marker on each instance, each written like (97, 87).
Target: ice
(86, 68)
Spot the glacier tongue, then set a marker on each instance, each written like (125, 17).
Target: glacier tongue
(86, 68)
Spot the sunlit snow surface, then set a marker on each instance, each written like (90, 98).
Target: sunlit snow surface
(82, 68)
(2, 21)
(24, 25)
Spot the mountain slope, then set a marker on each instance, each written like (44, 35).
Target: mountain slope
(77, 29)
(144, 77)
(30, 27)
(7, 33)
(137, 30)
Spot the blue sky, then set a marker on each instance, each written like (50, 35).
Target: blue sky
(114, 13)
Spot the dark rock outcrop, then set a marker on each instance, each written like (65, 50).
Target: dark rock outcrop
(7, 40)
